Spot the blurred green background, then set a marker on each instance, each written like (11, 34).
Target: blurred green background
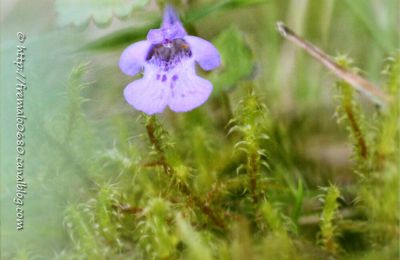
(85, 145)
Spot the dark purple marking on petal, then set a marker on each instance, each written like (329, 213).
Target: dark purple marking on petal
(175, 77)
(158, 76)
(164, 78)
(171, 86)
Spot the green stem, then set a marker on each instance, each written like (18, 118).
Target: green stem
(354, 125)
(253, 169)
(182, 187)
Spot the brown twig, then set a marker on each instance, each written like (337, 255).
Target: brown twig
(356, 81)
(128, 209)
(152, 163)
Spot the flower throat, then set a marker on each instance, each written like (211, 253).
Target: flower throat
(167, 55)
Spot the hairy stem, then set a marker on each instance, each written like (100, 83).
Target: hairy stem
(348, 108)
(253, 169)
(182, 187)
(357, 131)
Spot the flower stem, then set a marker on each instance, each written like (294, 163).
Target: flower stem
(169, 171)
(357, 132)
(348, 108)
(253, 169)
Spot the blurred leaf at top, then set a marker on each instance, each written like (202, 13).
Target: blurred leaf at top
(236, 59)
(79, 12)
(131, 34)
(199, 13)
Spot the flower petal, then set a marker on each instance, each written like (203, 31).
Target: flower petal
(133, 58)
(170, 16)
(147, 95)
(172, 26)
(204, 52)
(155, 36)
(188, 91)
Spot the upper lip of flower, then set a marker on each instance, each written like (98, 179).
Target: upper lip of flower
(168, 57)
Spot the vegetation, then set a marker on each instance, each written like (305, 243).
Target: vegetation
(284, 161)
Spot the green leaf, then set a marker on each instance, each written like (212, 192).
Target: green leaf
(381, 34)
(120, 38)
(79, 12)
(205, 10)
(236, 59)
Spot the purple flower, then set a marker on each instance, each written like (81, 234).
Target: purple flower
(168, 58)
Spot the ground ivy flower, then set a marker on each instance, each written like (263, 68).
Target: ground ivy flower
(168, 58)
